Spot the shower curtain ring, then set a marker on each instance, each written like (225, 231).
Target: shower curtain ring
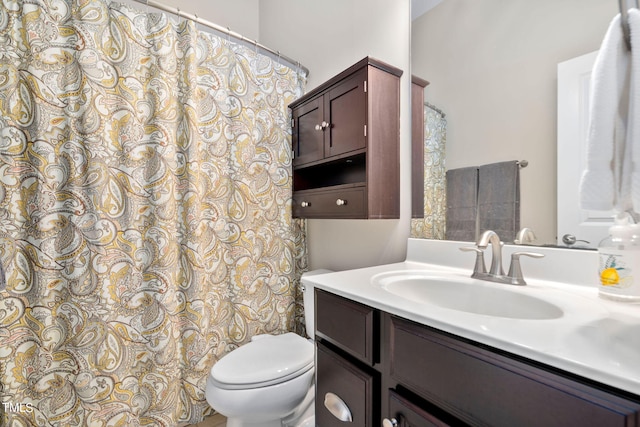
(228, 35)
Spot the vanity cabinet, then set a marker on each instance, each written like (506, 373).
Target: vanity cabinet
(481, 386)
(410, 375)
(345, 137)
(346, 353)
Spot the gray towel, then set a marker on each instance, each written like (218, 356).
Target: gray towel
(499, 199)
(462, 204)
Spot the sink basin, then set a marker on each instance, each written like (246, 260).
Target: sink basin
(467, 295)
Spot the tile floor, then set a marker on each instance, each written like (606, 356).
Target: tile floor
(212, 421)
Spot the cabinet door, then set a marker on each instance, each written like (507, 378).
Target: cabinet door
(346, 112)
(406, 414)
(308, 134)
(337, 378)
(484, 388)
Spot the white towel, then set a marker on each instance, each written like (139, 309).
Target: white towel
(601, 181)
(633, 135)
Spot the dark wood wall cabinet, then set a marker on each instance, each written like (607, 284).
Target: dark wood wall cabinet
(346, 139)
(387, 371)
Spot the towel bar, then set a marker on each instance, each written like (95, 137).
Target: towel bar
(624, 20)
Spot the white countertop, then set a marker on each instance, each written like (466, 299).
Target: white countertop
(594, 337)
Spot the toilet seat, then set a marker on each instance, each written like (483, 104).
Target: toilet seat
(263, 362)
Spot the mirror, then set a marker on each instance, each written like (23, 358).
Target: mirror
(492, 68)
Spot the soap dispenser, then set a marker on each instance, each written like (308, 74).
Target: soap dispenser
(619, 261)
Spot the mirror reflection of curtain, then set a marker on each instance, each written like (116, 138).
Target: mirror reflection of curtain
(432, 226)
(145, 205)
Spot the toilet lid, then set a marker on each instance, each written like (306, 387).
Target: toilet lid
(266, 361)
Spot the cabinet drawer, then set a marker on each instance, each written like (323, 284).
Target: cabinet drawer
(408, 414)
(484, 388)
(334, 203)
(351, 326)
(349, 383)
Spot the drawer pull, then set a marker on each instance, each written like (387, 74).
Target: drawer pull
(341, 202)
(337, 407)
(305, 204)
(389, 422)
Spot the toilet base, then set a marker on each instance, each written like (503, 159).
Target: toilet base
(304, 416)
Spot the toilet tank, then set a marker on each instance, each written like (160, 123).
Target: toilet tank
(308, 300)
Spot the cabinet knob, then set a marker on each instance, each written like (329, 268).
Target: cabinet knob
(319, 127)
(325, 125)
(389, 422)
(305, 204)
(341, 202)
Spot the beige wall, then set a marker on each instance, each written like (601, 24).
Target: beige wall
(492, 68)
(328, 36)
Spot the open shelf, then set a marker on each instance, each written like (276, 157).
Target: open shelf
(350, 170)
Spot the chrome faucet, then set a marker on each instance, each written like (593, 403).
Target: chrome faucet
(496, 272)
(524, 236)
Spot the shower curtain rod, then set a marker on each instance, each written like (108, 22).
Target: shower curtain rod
(224, 31)
(434, 108)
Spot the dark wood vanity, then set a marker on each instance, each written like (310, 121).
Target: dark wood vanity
(392, 371)
(346, 139)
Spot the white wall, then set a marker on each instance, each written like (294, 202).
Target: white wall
(492, 65)
(327, 37)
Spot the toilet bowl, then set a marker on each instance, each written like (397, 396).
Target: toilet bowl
(269, 381)
(262, 382)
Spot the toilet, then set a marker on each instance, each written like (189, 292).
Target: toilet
(268, 382)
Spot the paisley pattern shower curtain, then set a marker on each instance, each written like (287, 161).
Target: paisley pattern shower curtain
(145, 218)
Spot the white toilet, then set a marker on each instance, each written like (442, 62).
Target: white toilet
(269, 381)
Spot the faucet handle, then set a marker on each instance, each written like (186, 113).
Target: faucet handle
(480, 267)
(515, 270)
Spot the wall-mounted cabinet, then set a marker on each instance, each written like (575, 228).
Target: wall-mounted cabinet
(418, 86)
(346, 138)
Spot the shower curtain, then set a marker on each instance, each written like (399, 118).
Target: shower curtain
(145, 212)
(432, 226)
